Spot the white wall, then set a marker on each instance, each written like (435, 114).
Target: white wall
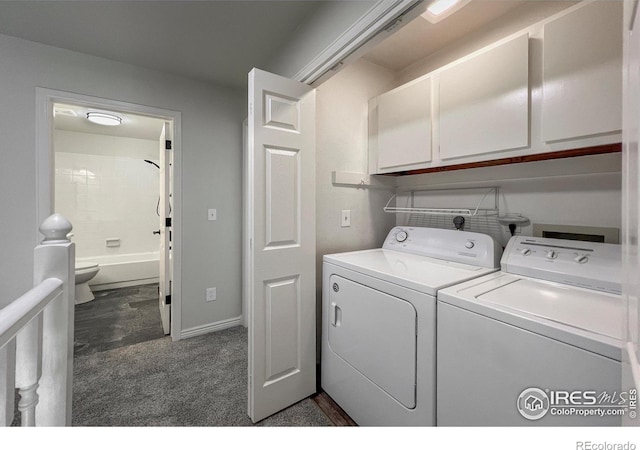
(104, 187)
(211, 161)
(584, 191)
(342, 114)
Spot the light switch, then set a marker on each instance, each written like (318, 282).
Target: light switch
(213, 214)
(345, 218)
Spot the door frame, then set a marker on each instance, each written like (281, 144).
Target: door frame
(45, 99)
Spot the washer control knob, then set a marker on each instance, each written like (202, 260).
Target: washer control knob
(526, 251)
(551, 254)
(581, 259)
(469, 244)
(401, 236)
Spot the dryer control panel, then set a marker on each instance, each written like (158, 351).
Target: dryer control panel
(591, 265)
(451, 245)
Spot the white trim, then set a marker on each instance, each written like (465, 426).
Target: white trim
(123, 284)
(246, 211)
(45, 98)
(211, 327)
(633, 362)
(383, 13)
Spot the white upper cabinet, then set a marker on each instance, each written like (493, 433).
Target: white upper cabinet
(582, 71)
(484, 102)
(552, 88)
(404, 126)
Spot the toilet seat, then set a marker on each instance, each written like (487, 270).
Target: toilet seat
(86, 265)
(85, 271)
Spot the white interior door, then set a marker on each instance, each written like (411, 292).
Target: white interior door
(281, 238)
(164, 291)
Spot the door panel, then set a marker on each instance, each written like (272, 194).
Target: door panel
(581, 69)
(282, 196)
(283, 351)
(489, 111)
(404, 125)
(376, 334)
(281, 273)
(281, 113)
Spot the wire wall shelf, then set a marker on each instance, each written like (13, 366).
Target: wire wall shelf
(479, 211)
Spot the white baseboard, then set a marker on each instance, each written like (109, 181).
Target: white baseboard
(211, 327)
(122, 284)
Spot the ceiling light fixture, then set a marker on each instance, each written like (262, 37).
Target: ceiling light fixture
(110, 120)
(440, 9)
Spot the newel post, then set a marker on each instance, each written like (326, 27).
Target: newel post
(55, 258)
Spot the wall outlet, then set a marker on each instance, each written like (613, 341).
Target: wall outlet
(211, 294)
(212, 214)
(345, 218)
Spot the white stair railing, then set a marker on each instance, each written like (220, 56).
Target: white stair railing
(36, 335)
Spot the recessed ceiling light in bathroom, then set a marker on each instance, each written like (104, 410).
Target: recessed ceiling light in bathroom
(101, 118)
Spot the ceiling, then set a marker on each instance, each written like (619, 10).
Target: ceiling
(74, 118)
(215, 41)
(420, 39)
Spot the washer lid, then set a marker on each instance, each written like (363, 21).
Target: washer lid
(583, 309)
(584, 318)
(86, 265)
(421, 273)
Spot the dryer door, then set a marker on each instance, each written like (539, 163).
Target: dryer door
(376, 334)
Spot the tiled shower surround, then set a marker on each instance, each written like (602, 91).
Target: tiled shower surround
(107, 191)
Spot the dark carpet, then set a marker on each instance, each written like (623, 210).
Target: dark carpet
(201, 381)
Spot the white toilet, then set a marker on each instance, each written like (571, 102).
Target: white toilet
(85, 271)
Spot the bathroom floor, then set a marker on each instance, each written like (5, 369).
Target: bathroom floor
(117, 318)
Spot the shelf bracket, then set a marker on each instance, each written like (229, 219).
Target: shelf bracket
(362, 180)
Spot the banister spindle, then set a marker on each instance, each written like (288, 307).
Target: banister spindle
(7, 382)
(29, 369)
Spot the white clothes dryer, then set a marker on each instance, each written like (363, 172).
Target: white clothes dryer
(538, 343)
(379, 320)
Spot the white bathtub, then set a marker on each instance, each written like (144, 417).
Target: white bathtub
(124, 270)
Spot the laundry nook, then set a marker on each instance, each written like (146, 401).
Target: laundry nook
(414, 217)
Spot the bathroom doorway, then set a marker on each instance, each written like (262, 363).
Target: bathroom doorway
(105, 176)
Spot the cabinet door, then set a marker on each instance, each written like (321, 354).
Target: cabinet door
(583, 73)
(484, 102)
(404, 126)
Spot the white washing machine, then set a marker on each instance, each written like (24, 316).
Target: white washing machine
(379, 320)
(538, 343)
